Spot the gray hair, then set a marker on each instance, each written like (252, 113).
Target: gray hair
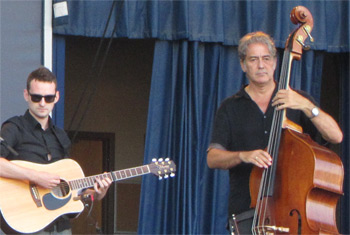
(255, 37)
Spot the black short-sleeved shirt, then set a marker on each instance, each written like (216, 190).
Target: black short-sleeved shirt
(25, 135)
(240, 125)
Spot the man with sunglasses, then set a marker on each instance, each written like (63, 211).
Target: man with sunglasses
(35, 138)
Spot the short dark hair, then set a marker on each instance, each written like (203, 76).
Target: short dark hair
(41, 74)
(255, 37)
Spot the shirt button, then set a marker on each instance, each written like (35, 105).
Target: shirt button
(265, 116)
(265, 132)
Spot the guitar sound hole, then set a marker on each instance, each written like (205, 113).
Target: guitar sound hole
(61, 190)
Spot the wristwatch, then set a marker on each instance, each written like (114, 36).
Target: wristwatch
(315, 112)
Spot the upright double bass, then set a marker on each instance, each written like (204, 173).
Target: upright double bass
(299, 192)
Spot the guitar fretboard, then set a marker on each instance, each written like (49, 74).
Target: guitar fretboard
(88, 182)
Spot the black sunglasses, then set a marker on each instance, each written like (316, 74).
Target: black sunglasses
(37, 98)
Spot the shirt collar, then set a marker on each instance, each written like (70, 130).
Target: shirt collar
(33, 123)
(242, 93)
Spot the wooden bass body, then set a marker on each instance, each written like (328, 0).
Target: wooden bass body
(308, 184)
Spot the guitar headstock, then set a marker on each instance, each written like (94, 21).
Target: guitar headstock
(163, 168)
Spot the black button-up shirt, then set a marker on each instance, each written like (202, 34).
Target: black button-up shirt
(240, 125)
(25, 135)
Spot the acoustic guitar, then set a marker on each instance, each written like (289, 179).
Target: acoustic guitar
(28, 208)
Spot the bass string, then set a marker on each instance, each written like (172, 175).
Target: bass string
(267, 179)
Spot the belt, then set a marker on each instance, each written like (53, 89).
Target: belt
(245, 215)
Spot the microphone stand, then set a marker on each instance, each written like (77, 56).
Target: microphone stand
(3, 142)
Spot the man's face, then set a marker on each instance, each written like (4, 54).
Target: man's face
(41, 109)
(259, 65)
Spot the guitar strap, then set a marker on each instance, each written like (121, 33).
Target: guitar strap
(64, 142)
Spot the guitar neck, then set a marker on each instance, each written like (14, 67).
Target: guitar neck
(88, 182)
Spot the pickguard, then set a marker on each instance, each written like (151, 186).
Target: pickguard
(54, 203)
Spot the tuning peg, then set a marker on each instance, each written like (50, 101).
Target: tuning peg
(172, 175)
(306, 47)
(160, 177)
(166, 176)
(160, 160)
(154, 159)
(167, 159)
(307, 29)
(300, 40)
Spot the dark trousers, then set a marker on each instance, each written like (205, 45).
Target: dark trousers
(245, 226)
(242, 223)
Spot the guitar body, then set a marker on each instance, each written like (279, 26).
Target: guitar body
(28, 208)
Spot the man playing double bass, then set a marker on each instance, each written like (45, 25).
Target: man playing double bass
(242, 123)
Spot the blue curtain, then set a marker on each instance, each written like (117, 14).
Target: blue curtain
(58, 67)
(224, 21)
(189, 81)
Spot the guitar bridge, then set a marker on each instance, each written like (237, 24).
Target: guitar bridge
(35, 195)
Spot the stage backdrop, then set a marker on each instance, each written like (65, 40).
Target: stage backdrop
(195, 67)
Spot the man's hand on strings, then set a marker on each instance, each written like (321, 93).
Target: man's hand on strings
(101, 187)
(45, 179)
(258, 157)
(290, 99)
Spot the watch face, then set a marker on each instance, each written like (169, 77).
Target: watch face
(315, 111)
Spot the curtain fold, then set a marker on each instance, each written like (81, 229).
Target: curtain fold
(189, 81)
(58, 68)
(207, 21)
